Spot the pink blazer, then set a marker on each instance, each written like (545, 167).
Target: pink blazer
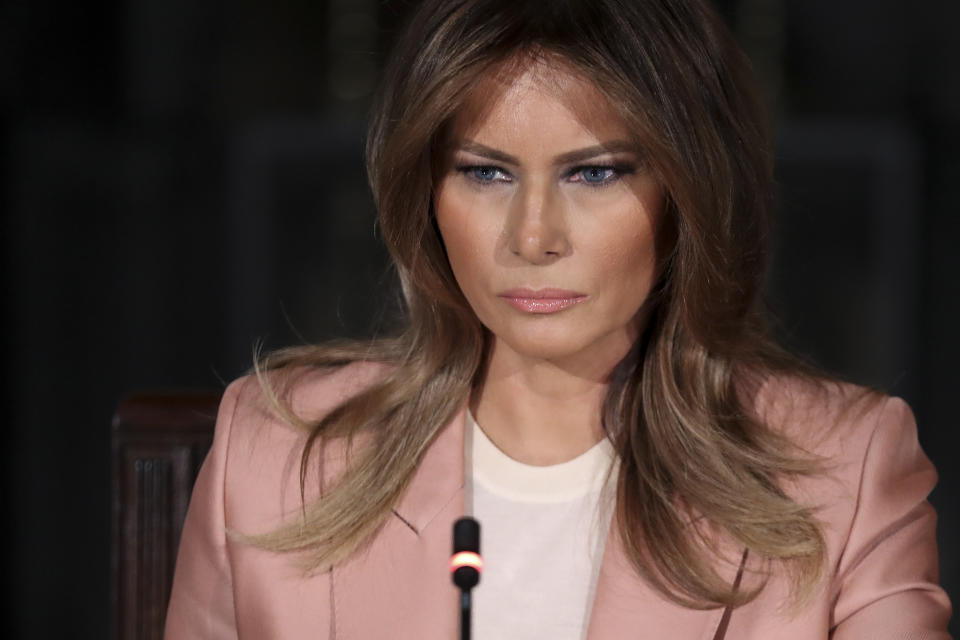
(879, 529)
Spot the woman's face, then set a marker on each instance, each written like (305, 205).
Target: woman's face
(548, 215)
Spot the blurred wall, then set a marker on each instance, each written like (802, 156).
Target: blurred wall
(180, 179)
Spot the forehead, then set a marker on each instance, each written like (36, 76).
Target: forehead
(549, 93)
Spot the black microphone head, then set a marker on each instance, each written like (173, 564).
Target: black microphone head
(466, 535)
(466, 563)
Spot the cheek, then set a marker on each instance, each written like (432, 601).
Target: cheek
(462, 237)
(630, 268)
(627, 246)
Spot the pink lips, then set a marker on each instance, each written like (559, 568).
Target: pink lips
(541, 300)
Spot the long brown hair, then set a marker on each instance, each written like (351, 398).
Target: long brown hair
(678, 408)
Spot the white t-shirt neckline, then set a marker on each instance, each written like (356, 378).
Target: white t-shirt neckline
(500, 474)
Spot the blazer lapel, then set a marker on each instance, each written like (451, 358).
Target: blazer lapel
(400, 586)
(625, 606)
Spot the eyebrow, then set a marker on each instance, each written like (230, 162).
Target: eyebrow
(577, 155)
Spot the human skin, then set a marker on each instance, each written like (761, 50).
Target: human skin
(549, 215)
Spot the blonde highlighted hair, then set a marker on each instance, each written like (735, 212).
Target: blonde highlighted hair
(679, 407)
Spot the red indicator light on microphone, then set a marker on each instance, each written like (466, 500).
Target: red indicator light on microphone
(466, 559)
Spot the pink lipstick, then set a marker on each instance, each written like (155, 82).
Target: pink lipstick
(541, 300)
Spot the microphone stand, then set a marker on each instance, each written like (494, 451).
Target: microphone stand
(465, 610)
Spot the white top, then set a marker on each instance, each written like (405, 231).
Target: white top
(542, 531)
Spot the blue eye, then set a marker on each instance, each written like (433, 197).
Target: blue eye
(595, 176)
(484, 174)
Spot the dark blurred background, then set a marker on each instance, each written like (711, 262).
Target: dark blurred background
(182, 178)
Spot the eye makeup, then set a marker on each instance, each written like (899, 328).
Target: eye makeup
(596, 175)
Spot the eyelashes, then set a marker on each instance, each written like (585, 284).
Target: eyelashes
(484, 174)
(594, 176)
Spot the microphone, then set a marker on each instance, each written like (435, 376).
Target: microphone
(466, 566)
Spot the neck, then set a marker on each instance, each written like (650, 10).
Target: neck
(542, 412)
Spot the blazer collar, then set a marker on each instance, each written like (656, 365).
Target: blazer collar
(439, 478)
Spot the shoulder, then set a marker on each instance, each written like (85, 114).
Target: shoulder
(261, 431)
(307, 393)
(873, 476)
(284, 403)
(831, 419)
(864, 444)
(869, 495)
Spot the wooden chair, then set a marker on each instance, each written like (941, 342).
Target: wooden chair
(159, 441)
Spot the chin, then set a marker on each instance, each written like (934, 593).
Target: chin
(597, 349)
(547, 346)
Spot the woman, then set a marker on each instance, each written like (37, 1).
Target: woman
(575, 195)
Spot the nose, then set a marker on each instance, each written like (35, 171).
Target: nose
(537, 230)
